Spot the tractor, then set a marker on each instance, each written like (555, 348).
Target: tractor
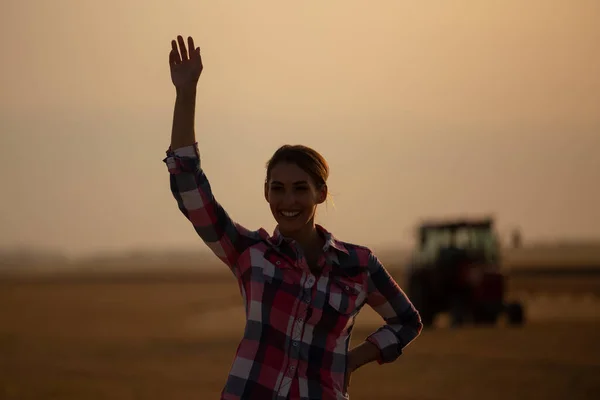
(456, 270)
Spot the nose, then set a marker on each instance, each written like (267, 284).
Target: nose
(289, 198)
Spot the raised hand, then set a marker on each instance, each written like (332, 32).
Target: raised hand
(185, 68)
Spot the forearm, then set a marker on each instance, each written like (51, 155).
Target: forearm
(364, 353)
(183, 133)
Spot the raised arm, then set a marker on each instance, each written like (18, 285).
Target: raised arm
(189, 184)
(185, 72)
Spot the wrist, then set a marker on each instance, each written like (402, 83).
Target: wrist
(185, 91)
(362, 354)
(354, 360)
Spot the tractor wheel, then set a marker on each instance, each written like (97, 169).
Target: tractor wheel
(515, 314)
(487, 313)
(459, 314)
(427, 319)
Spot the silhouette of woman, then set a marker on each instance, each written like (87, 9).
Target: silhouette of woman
(302, 288)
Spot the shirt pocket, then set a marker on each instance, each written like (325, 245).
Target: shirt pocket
(277, 269)
(345, 295)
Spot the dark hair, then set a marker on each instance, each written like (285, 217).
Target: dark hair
(307, 159)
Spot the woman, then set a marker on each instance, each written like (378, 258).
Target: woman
(302, 288)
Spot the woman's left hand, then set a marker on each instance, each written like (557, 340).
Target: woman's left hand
(350, 367)
(347, 380)
(362, 354)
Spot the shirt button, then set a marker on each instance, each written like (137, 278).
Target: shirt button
(300, 319)
(347, 287)
(295, 344)
(292, 368)
(277, 262)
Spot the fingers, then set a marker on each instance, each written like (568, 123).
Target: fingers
(180, 54)
(194, 51)
(191, 44)
(174, 54)
(182, 49)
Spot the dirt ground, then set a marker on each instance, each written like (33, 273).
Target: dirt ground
(167, 339)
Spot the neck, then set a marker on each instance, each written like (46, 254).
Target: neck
(307, 238)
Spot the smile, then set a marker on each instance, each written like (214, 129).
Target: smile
(289, 214)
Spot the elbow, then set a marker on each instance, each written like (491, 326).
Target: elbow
(414, 321)
(417, 323)
(411, 322)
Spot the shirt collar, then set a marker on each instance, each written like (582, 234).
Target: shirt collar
(330, 241)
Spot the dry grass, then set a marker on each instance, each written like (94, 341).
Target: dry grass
(142, 340)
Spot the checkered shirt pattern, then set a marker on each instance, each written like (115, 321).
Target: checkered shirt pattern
(298, 326)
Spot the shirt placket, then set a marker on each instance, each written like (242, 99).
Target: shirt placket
(297, 330)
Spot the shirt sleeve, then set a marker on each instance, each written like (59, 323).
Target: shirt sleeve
(192, 191)
(402, 320)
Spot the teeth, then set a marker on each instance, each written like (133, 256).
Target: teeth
(290, 213)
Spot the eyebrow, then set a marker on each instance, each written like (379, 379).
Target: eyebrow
(295, 183)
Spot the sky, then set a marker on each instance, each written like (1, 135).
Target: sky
(422, 109)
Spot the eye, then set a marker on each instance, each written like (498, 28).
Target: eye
(302, 188)
(276, 188)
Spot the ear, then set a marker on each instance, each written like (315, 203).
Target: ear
(322, 194)
(267, 191)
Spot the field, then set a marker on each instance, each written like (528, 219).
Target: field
(173, 337)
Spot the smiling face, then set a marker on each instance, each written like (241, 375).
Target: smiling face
(293, 196)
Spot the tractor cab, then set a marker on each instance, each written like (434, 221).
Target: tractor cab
(441, 242)
(456, 269)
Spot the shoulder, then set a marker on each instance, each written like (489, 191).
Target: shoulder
(251, 244)
(357, 254)
(348, 253)
(354, 247)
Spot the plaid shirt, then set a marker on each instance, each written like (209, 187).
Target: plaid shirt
(298, 326)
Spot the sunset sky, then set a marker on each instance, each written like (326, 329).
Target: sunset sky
(423, 109)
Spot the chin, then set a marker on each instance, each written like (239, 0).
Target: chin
(289, 227)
